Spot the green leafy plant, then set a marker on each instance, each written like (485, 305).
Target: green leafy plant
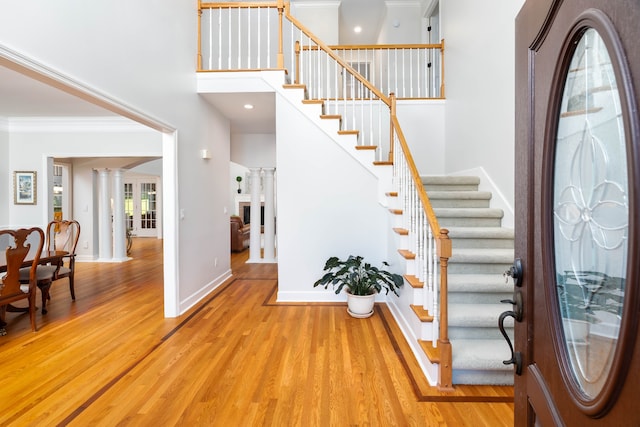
(360, 278)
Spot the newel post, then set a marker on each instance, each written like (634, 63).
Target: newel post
(392, 114)
(442, 69)
(280, 5)
(446, 355)
(199, 57)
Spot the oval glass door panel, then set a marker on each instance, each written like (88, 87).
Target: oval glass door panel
(591, 213)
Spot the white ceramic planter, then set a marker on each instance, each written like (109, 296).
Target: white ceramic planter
(360, 306)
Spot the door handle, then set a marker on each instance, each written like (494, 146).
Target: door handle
(516, 356)
(516, 313)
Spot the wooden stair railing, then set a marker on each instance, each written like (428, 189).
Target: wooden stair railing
(431, 248)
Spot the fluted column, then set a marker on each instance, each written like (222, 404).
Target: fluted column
(254, 218)
(119, 230)
(104, 217)
(269, 216)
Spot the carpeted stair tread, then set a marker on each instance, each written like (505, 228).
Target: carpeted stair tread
(459, 195)
(484, 354)
(449, 179)
(478, 315)
(481, 232)
(468, 213)
(482, 256)
(490, 283)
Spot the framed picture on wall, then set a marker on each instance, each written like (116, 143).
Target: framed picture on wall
(24, 188)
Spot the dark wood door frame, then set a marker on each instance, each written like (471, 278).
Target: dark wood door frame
(532, 102)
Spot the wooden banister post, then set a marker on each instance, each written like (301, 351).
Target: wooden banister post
(199, 56)
(280, 5)
(445, 382)
(297, 76)
(392, 114)
(442, 69)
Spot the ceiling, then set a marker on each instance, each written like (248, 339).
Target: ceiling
(24, 96)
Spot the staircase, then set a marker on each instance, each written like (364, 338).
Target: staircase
(482, 251)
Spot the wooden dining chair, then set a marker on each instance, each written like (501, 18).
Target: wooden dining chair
(62, 235)
(22, 244)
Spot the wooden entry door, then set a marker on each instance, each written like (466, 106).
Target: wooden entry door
(577, 207)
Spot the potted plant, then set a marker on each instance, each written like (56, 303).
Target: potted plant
(239, 179)
(360, 280)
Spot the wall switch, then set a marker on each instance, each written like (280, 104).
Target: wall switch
(85, 244)
(181, 213)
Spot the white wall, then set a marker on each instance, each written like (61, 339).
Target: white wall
(254, 150)
(143, 57)
(320, 18)
(327, 206)
(6, 178)
(479, 80)
(401, 24)
(422, 123)
(29, 151)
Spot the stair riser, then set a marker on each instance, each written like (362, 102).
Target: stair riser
(482, 243)
(455, 203)
(483, 377)
(477, 297)
(450, 187)
(477, 268)
(478, 333)
(469, 222)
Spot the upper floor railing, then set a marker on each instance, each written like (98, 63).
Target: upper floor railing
(260, 36)
(407, 70)
(254, 36)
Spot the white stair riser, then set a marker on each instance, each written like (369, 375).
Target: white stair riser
(478, 333)
(469, 222)
(482, 243)
(478, 297)
(477, 268)
(459, 203)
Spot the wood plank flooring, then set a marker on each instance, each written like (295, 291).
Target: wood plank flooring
(237, 359)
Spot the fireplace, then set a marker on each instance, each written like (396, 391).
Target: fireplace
(246, 214)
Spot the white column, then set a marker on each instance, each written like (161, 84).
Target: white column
(269, 216)
(104, 217)
(119, 230)
(254, 218)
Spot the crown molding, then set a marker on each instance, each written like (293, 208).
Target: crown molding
(25, 65)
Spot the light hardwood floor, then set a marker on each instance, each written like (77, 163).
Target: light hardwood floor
(237, 359)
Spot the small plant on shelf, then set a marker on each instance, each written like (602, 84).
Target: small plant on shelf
(239, 180)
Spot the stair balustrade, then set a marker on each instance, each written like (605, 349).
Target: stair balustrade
(410, 71)
(254, 36)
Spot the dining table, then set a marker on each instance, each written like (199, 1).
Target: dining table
(46, 257)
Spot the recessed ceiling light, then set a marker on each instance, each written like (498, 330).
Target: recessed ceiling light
(248, 106)
(357, 29)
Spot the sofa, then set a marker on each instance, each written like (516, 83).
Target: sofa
(240, 234)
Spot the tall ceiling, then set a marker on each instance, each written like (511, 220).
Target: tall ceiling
(24, 96)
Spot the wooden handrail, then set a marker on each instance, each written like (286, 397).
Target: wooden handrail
(339, 60)
(239, 5)
(443, 249)
(383, 46)
(422, 194)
